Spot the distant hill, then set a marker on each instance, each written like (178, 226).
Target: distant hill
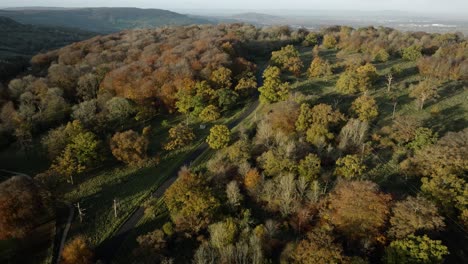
(19, 42)
(102, 20)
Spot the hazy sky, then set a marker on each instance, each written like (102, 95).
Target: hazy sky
(433, 6)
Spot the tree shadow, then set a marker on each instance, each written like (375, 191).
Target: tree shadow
(449, 119)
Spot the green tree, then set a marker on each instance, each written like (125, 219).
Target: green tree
(423, 137)
(85, 148)
(219, 137)
(365, 107)
(209, 114)
(119, 110)
(179, 136)
(318, 135)
(412, 53)
(226, 98)
(415, 249)
(191, 203)
(348, 82)
(273, 90)
(56, 140)
(425, 90)
(309, 167)
(381, 55)
(67, 165)
(189, 103)
(312, 39)
(350, 166)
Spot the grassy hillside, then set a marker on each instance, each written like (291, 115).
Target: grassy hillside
(102, 19)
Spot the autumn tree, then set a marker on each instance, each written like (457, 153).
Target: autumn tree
(252, 179)
(191, 203)
(219, 137)
(329, 41)
(273, 89)
(318, 247)
(350, 166)
(223, 233)
(77, 251)
(222, 78)
(365, 107)
(414, 214)
(348, 82)
(23, 205)
(282, 116)
(344, 209)
(356, 79)
(425, 90)
(288, 59)
(246, 82)
(415, 249)
(319, 68)
(320, 114)
(179, 136)
(316, 121)
(151, 247)
(88, 86)
(129, 147)
(209, 113)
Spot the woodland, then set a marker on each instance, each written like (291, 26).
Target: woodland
(232, 143)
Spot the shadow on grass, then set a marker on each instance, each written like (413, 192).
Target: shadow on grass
(450, 119)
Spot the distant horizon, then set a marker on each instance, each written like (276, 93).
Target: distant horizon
(268, 11)
(432, 7)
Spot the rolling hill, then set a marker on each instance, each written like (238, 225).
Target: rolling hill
(103, 20)
(19, 42)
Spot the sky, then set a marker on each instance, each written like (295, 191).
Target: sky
(420, 6)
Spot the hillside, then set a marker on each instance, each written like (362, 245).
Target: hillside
(101, 19)
(232, 143)
(18, 42)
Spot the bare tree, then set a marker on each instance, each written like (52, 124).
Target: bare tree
(389, 81)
